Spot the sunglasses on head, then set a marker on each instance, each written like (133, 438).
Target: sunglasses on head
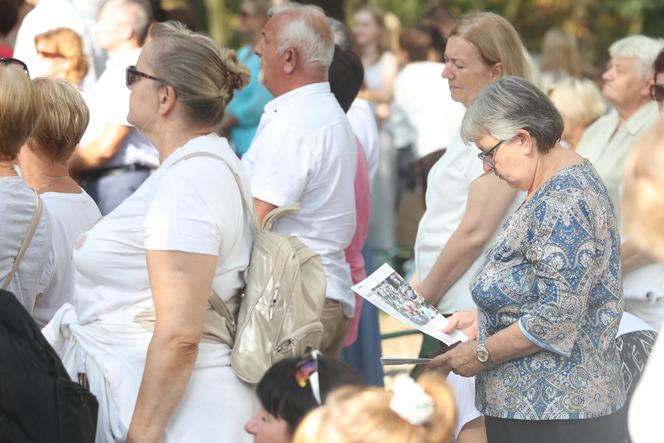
(14, 61)
(306, 371)
(133, 74)
(48, 54)
(657, 92)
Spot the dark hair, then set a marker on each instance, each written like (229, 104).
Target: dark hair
(346, 76)
(438, 40)
(281, 396)
(417, 44)
(8, 16)
(658, 64)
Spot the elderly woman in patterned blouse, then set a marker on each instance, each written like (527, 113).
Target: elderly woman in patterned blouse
(549, 296)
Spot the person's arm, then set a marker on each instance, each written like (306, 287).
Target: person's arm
(263, 208)
(633, 258)
(488, 201)
(180, 284)
(505, 345)
(473, 432)
(99, 151)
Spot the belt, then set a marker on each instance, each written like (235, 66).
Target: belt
(115, 170)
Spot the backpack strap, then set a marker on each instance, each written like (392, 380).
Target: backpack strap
(26, 241)
(277, 213)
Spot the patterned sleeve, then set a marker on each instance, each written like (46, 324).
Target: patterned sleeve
(563, 253)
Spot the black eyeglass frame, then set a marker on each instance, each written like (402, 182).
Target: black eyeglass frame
(15, 61)
(487, 156)
(654, 94)
(131, 73)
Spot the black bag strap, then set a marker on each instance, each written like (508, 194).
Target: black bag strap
(26, 242)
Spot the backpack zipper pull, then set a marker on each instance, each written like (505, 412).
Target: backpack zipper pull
(274, 298)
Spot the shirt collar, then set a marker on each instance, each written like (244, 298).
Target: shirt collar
(284, 99)
(642, 118)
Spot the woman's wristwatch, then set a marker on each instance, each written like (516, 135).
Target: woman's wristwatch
(482, 355)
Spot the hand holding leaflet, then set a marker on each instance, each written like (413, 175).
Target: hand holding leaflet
(388, 291)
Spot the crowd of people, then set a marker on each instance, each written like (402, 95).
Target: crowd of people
(139, 158)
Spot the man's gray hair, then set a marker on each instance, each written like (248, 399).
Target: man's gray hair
(308, 31)
(640, 47)
(139, 14)
(510, 104)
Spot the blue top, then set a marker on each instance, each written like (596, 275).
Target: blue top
(555, 269)
(248, 103)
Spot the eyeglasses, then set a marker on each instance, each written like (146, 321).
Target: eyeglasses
(657, 92)
(47, 54)
(14, 61)
(133, 74)
(487, 156)
(307, 370)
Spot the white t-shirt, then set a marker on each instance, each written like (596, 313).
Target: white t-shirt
(70, 215)
(423, 112)
(464, 396)
(190, 206)
(108, 100)
(448, 185)
(304, 151)
(17, 206)
(364, 126)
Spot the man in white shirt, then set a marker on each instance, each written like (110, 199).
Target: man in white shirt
(608, 141)
(114, 158)
(304, 151)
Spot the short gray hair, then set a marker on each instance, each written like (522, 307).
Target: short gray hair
(308, 31)
(510, 104)
(640, 47)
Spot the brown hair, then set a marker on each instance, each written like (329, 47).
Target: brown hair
(19, 109)
(363, 415)
(560, 51)
(643, 199)
(68, 44)
(496, 40)
(417, 43)
(204, 75)
(63, 122)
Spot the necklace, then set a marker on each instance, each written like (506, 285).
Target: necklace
(8, 167)
(44, 186)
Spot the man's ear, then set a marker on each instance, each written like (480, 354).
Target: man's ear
(290, 60)
(167, 98)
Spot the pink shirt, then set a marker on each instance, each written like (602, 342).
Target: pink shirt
(354, 250)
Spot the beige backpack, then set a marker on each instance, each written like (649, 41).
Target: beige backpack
(280, 309)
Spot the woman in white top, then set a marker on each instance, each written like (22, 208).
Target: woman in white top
(152, 263)
(464, 205)
(19, 111)
(380, 64)
(44, 167)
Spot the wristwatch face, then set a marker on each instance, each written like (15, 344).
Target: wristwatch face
(481, 353)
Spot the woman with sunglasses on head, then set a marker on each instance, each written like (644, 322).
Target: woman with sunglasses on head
(61, 55)
(25, 226)
(140, 330)
(290, 389)
(549, 295)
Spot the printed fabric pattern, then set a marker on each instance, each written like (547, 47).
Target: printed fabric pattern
(555, 270)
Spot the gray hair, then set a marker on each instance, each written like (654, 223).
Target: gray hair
(510, 104)
(640, 47)
(308, 31)
(341, 35)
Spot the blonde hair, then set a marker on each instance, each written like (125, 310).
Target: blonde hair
(68, 44)
(60, 128)
(643, 199)
(19, 109)
(560, 52)
(578, 100)
(363, 415)
(204, 75)
(496, 40)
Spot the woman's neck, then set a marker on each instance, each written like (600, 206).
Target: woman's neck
(370, 55)
(44, 175)
(171, 137)
(7, 168)
(549, 164)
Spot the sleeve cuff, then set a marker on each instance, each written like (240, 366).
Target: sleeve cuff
(536, 341)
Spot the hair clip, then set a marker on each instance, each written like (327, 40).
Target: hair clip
(410, 401)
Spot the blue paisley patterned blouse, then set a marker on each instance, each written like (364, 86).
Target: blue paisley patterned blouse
(555, 269)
